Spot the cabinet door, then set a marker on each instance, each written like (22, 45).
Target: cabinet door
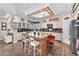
(43, 46)
(15, 25)
(23, 25)
(19, 25)
(8, 38)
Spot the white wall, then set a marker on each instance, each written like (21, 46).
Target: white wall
(65, 27)
(44, 25)
(65, 35)
(56, 24)
(2, 32)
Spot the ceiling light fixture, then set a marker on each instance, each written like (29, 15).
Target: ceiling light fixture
(42, 13)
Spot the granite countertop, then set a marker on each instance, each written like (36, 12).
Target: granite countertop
(57, 30)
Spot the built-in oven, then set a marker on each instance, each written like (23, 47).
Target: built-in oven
(50, 27)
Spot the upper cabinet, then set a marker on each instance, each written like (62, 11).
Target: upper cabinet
(34, 24)
(20, 25)
(19, 22)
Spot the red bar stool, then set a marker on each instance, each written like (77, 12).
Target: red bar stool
(51, 43)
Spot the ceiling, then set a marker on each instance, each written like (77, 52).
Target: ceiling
(22, 9)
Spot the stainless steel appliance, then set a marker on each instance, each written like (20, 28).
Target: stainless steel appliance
(74, 35)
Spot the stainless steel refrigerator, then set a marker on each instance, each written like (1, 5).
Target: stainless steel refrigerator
(74, 35)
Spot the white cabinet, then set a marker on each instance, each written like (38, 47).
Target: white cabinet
(32, 26)
(22, 25)
(58, 36)
(19, 35)
(8, 38)
(15, 25)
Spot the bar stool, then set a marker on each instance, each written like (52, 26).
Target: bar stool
(51, 43)
(26, 42)
(34, 44)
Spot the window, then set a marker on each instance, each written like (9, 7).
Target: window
(4, 25)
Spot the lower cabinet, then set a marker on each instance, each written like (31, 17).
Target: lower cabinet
(43, 46)
(8, 38)
(19, 35)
